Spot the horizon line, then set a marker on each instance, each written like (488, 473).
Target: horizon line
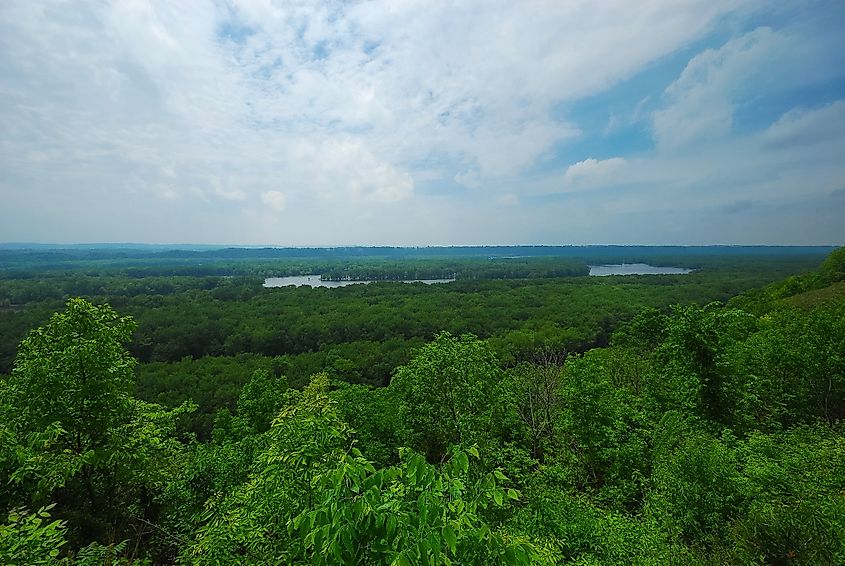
(8, 245)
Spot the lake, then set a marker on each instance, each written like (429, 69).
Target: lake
(315, 281)
(635, 269)
(595, 271)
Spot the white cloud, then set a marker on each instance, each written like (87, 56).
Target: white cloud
(701, 103)
(236, 195)
(469, 179)
(220, 87)
(355, 109)
(345, 170)
(807, 127)
(701, 100)
(275, 200)
(592, 173)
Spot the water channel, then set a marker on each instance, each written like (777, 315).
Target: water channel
(635, 269)
(595, 271)
(315, 281)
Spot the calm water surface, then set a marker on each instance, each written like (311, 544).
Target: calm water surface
(595, 271)
(635, 269)
(314, 281)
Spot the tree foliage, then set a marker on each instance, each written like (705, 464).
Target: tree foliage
(72, 433)
(699, 433)
(448, 393)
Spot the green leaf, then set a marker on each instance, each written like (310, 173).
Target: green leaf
(434, 543)
(391, 526)
(318, 540)
(462, 462)
(450, 538)
(346, 538)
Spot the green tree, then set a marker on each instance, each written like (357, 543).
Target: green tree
(448, 393)
(833, 266)
(604, 428)
(373, 414)
(537, 392)
(248, 524)
(313, 498)
(694, 359)
(73, 434)
(791, 371)
(261, 398)
(31, 538)
(796, 513)
(412, 513)
(696, 491)
(74, 372)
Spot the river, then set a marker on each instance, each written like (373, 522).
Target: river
(635, 269)
(315, 281)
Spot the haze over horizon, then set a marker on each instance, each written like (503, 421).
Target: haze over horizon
(418, 123)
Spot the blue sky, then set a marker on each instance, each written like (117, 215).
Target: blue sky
(423, 123)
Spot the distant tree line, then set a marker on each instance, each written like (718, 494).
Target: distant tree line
(698, 434)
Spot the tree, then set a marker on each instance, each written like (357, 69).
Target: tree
(73, 434)
(834, 266)
(694, 359)
(412, 513)
(447, 393)
(261, 398)
(537, 392)
(314, 499)
(593, 416)
(74, 372)
(696, 492)
(373, 414)
(31, 538)
(796, 513)
(249, 522)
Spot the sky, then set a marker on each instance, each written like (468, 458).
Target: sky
(425, 122)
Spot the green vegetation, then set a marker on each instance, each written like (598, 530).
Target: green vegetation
(547, 420)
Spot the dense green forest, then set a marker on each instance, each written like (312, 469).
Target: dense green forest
(162, 407)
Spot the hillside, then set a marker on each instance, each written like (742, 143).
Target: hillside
(692, 433)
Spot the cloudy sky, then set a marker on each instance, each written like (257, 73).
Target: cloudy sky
(423, 122)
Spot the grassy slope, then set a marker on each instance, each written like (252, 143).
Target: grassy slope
(816, 297)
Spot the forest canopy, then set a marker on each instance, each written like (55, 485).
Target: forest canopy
(678, 430)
